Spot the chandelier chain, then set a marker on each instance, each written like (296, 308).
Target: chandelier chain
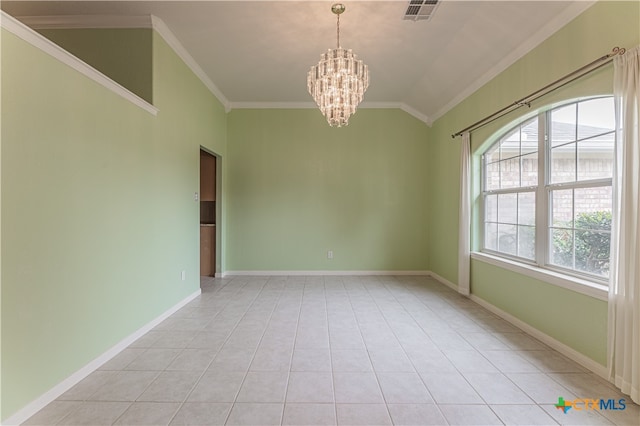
(338, 30)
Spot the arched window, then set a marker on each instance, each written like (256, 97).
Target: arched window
(547, 189)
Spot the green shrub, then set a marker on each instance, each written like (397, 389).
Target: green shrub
(592, 245)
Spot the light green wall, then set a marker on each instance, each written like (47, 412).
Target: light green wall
(298, 188)
(573, 319)
(98, 214)
(123, 55)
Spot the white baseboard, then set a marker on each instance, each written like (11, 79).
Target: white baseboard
(565, 350)
(444, 281)
(315, 273)
(39, 403)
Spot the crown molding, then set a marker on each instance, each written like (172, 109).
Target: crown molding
(161, 28)
(417, 114)
(123, 22)
(25, 33)
(311, 105)
(569, 14)
(272, 105)
(86, 21)
(398, 105)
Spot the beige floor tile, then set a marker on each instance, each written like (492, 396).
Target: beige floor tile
(416, 414)
(522, 415)
(52, 413)
(217, 386)
(450, 388)
(355, 388)
(96, 413)
(470, 361)
(154, 359)
(170, 386)
(148, 413)
(263, 386)
(303, 414)
(174, 339)
(350, 360)
(310, 387)
(363, 414)
(347, 345)
(384, 360)
(430, 362)
(124, 358)
(193, 360)
(551, 362)
(253, 414)
(311, 360)
(202, 413)
(89, 385)
(232, 359)
(272, 358)
(495, 388)
(540, 387)
(126, 386)
(509, 362)
(403, 388)
(470, 415)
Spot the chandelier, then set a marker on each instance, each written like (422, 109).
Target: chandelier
(339, 81)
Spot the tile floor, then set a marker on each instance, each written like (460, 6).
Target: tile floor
(333, 350)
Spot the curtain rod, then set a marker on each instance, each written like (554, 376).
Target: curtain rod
(572, 76)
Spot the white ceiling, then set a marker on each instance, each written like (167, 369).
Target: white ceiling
(257, 53)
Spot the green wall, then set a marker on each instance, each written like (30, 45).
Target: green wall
(98, 210)
(123, 55)
(298, 188)
(571, 318)
(98, 216)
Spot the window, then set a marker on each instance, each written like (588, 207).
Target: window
(547, 189)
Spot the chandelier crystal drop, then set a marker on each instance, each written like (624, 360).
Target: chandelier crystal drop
(339, 81)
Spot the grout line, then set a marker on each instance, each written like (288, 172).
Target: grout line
(195, 384)
(293, 351)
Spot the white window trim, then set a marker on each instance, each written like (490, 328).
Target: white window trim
(540, 268)
(588, 288)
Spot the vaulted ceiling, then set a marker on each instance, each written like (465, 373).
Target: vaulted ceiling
(257, 53)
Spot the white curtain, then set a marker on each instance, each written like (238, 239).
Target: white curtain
(624, 285)
(464, 219)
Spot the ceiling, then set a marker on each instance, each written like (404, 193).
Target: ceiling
(257, 53)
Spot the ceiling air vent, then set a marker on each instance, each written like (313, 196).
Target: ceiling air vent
(420, 10)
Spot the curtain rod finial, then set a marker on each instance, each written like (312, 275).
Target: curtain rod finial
(617, 51)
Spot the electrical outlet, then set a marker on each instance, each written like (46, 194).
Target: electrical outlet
(183, 275)
(195, 196)
(330, 254)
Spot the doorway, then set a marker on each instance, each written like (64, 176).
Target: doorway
(207, 214)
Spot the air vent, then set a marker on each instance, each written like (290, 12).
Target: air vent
(420, 10)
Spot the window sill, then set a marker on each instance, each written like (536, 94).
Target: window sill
(578, 285)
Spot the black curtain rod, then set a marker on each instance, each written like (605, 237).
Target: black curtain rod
(526, 101)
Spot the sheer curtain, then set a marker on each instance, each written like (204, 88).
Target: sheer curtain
(464, 218)
(624, 285)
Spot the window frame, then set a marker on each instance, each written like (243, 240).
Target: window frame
(543, 205)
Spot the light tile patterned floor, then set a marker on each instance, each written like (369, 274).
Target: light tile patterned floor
(334, 350)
